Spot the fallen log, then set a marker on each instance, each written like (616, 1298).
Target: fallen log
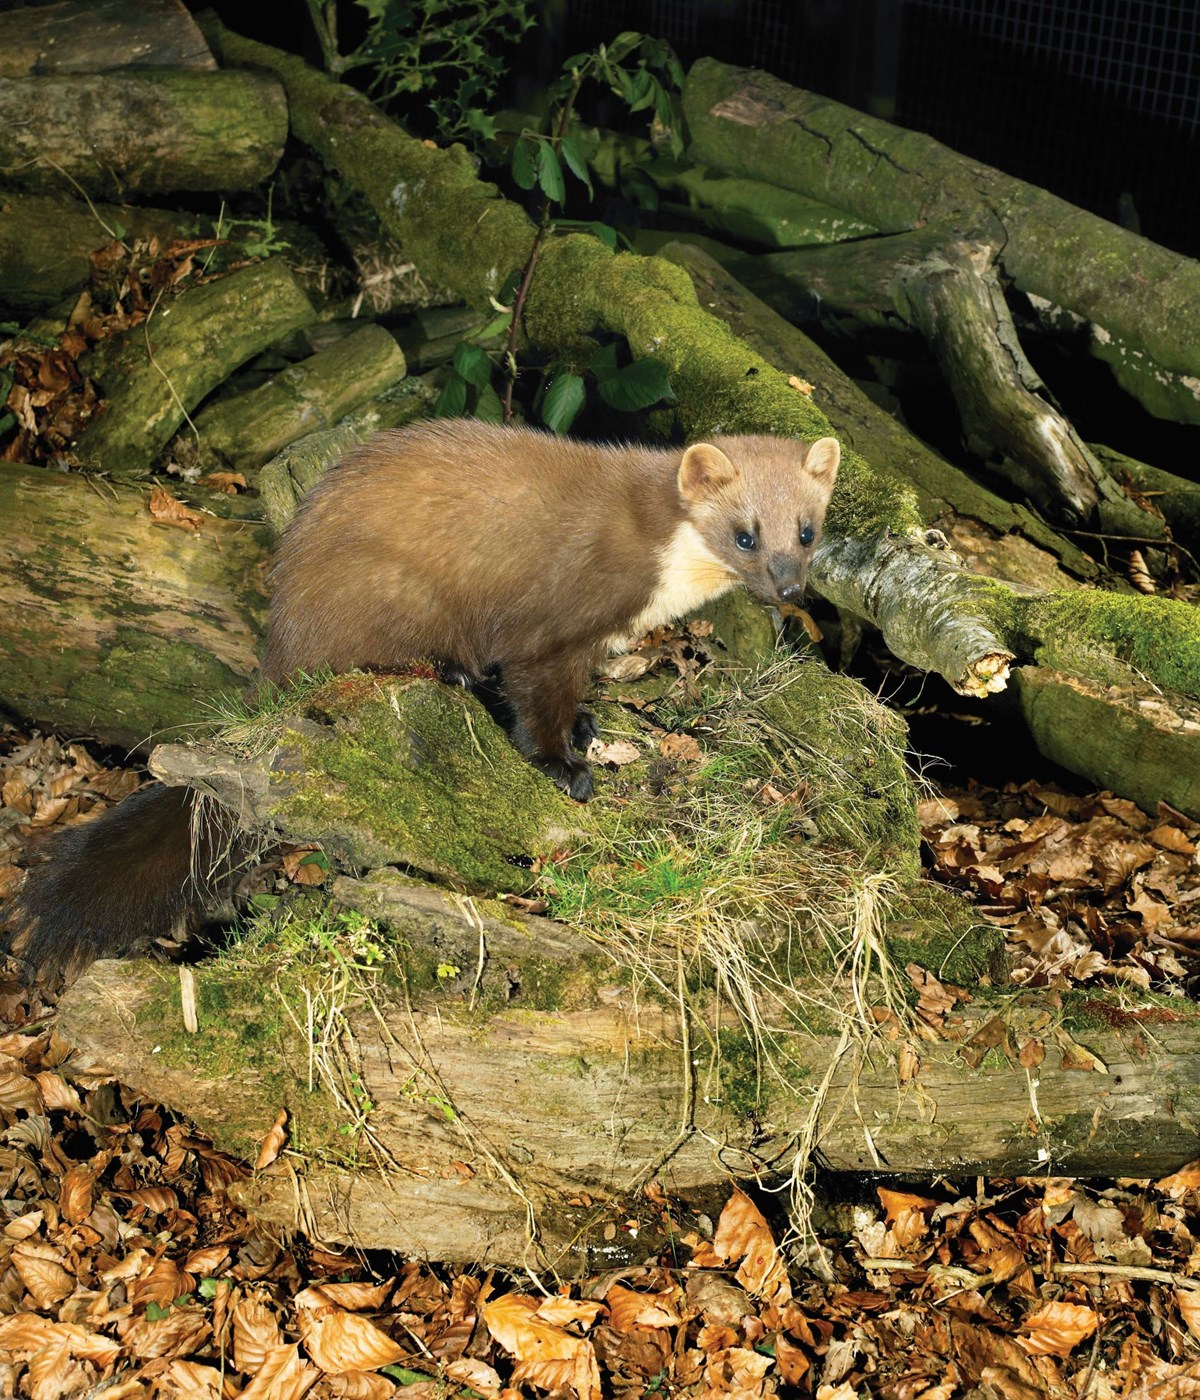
(250, 428)
(695, 1039)
(93, 36)
(154, 374)
(113, 624)
(1141, 302)
(111, 135)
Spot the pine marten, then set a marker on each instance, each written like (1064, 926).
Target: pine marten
(490, 552)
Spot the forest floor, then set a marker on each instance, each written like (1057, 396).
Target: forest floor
(123, 1262)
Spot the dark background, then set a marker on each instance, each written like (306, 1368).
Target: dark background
(1097, 100)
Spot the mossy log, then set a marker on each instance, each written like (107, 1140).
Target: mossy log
(751, 211)
(247, 430)
(153, 375)
(1140, 301)
(46, 242)
(497, 1068)
(111, 135)
(112, 624)
(93, 36)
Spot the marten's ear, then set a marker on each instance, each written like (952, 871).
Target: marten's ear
(821, 460)
(704, 469)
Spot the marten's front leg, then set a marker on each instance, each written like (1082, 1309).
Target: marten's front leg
(544, 694)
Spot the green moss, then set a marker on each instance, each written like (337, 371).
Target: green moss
(741, 1081)
(936, 927)
(422, 777)
(1079, 632)
(246, 1039)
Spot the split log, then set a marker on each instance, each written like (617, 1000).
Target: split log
(153, 375)
(1140, 301)
(247, 430)
(637, 1077)
(110, 135)
(93, 36)
(46, 242)
(147, 626)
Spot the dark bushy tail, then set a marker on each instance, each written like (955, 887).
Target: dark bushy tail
(111, 885)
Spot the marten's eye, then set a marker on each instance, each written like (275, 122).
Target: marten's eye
(745, 540)
(807, 536)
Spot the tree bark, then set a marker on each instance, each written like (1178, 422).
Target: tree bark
(111, 135)
(154, 374)
(93, 36)
(1142, 302)
(112, 624)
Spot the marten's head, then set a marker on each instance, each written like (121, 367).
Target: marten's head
(758, 503)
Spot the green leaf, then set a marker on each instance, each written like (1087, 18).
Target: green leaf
(317, 858)
(623, 44)
(265, 902)
(642, 85)
(564, 398)
(404, 1375)
(571, 151)
(603, 363)
(524, 158)
(453, 398)
(604, 232)
(549, 173)
(156, 1314)
(639, 385)
(207, 1287)
(488, 407)
(473, 364)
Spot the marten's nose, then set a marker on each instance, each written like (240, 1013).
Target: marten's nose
(787, 575)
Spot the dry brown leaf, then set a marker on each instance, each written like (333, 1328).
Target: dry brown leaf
(547, 1355)
(1189, 1308)
(1187, 1178)
(565, 1311)
(272, 1146)
(283, 1375)
(165, 1282)
(230, 483)
(629, 1309)
(190, 1378)
(342, 1341)
(256, 1333)
(300, 870)
(627, 667)
(183, 1330)
(680, 746)
(477, 1375)
(1055, 1329)
(17, 1090)
(742, 1233)
(1170, 838)
(76, 1193)
(618, 753)
(25, 1333)
(25, 1225)
(169, 510)
(358, 1297)
(41, 1270)
(791, 1360)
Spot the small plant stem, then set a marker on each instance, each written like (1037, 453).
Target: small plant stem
(543, 230)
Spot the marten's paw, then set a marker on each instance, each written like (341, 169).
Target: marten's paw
(573, 775)
(584, 730)
(450, 674)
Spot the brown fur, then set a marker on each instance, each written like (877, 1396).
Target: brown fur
(475, 547)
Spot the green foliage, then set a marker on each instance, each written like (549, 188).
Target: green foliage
(446, 53)
(627, 388)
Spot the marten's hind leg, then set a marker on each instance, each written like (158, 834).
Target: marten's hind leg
(544, 695)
